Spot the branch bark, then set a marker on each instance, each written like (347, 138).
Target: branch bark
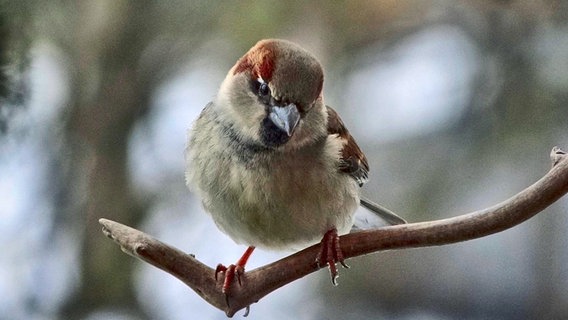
(261, 281)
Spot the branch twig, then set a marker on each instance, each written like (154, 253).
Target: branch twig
(261, 281)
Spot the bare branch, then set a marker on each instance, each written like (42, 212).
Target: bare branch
(261, 281)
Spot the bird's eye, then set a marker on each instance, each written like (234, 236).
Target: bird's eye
(263, 90)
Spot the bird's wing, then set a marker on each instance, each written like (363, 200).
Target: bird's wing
(353, 161)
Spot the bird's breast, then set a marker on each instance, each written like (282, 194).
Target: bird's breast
(287, 201)
(267, 198)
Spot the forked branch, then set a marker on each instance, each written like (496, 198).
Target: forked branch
(261, 281)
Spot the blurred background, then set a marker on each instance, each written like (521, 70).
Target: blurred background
(457, 105)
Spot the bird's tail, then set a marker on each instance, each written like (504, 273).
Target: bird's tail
(382, 212)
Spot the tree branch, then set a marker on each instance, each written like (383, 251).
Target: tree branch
(261, 281)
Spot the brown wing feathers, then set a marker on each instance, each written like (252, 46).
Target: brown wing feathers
(353, 161)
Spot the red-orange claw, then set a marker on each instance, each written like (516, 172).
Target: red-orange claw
(234, 270)
(239, 271)
(333, 272)
(330, 253)
(229, 276)
(220, 268)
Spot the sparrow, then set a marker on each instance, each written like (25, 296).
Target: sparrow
(274, 166)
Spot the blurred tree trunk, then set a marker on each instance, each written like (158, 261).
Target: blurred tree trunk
(14, 45)
(109, 94)
(120, 53)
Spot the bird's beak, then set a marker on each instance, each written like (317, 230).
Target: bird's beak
(285, 118)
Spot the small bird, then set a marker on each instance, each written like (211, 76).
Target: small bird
(274, 166)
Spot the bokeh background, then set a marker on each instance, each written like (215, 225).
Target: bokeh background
(457, 105)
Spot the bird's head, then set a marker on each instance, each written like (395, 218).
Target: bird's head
(273, 95)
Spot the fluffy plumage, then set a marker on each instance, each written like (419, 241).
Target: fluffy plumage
(274, 166)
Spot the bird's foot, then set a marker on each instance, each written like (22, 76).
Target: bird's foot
(330, 253)
(232, 272)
